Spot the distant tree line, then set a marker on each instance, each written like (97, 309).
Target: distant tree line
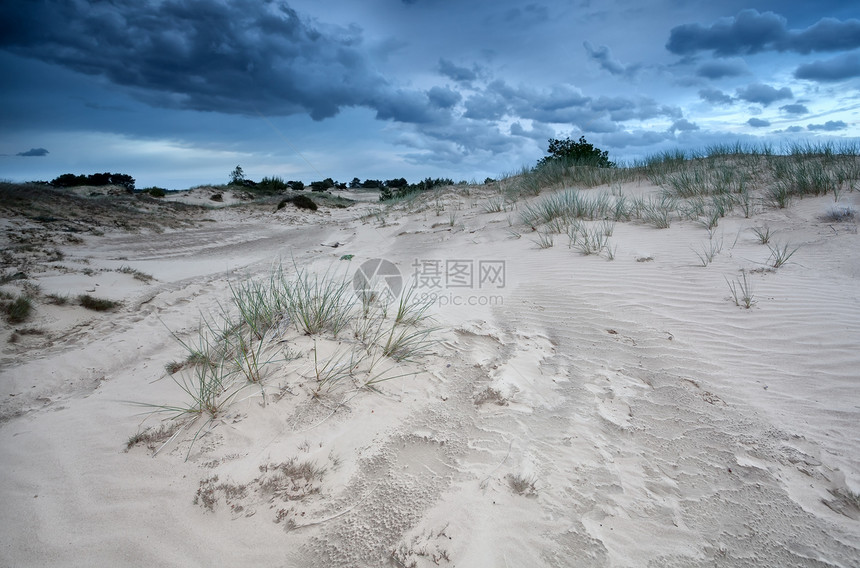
(389, 189)
(72, 180)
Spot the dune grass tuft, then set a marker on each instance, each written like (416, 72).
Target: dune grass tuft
(742, 290)
(17, 310)
(780, 253)
(97, 304)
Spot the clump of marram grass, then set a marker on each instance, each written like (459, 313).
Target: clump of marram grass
(839, 213)
(97, 304)
(135, 273)
(523, 484)
(590, 240)
(544, 240)
(742, 290)
(17, 310)
(152, 437)
(57, 299)
(780, 253)
(709, 250)
(231, 352)
(764, 234)
(570, 205)
(657, 212)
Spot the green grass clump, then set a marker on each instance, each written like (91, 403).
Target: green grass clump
(236, 347)
(763, 234)
(780, 253)
(97, 304)
(18, 310)
(569, 205)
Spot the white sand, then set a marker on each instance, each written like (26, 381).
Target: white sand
(659, 424)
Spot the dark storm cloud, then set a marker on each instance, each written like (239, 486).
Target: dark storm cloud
(763, 94)
(443, 97)
(722, 68)
(455, 72)
(843, 67)
(683, 125)
(796, 108)
(539, 132)
(485, 106)
(829, 126)
(456, 142)
(758, 123)
(561, 103)
(751, 32)
(603, 56)
(33, 152)
(406, 106)
(715, 96)
(240, 57)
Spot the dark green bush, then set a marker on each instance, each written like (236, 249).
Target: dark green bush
(71, 180)
(579, 153)
(156, 191)
(273, 184)
(304, 202)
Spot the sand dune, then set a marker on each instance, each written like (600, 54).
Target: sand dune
(594, 412)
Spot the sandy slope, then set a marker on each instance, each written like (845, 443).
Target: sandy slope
(652, 422)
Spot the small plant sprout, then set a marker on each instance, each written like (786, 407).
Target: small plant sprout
(780, 253)
(741, 289)
(709, 250)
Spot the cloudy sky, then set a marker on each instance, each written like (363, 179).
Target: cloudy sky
(178, 92)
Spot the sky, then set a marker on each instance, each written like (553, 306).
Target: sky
(178, 93)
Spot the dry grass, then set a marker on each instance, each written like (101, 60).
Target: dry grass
(522, 484)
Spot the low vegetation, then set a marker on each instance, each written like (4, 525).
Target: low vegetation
(16, 309)
(97, 304)
(266, 324)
